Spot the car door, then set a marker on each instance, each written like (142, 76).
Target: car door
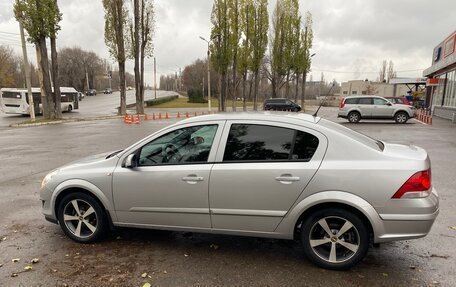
(260, 170)
(365, 106)
(169, 185)
(381, 109)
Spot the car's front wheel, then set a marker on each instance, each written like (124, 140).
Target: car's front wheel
(334, 238)
(401, 117)
(81, 217)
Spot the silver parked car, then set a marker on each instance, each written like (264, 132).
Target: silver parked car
(355, 108)
(268, 175)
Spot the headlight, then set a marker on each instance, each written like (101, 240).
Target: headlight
(48, 177)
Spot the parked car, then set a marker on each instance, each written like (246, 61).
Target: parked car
(107, 91)
(265, 175)
(91, 92)
(355, 108)
(402, 100)
(281, 104)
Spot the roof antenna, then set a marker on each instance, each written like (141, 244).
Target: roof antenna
(324, 100)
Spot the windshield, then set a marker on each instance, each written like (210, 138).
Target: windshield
(357, 136)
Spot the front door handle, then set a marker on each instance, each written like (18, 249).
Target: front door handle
(287, 178)
(192, 179)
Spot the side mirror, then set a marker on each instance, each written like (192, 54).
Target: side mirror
(130, 161)
(389, 104)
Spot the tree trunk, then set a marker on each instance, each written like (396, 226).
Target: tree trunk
(56, 81)
(136, 44)
(45, 81)
(274, 85)
(255, 92)
(123, 98)
(223, 92)
(234, 84)
(296, 88)
(244, 100)
(303, 89)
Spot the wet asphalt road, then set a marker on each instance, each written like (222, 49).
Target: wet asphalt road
(190, 259)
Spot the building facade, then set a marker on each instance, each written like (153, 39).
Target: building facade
(360, 87)
(442, 78)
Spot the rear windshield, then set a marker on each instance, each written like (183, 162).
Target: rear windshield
(359, 137)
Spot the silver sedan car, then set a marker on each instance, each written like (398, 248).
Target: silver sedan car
(267, 175)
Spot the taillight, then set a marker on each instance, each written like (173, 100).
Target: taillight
(342, 103)
(417, 185)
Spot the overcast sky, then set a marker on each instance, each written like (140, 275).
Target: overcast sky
(351, 37)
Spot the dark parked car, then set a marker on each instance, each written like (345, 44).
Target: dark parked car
(91, 92)
(107, 91)
(281, 104)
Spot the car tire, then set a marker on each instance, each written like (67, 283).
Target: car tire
(354, 117)
(295, 110)
(333, 251)
(76, 223)
(401, 117)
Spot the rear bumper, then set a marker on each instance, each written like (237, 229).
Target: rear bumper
(404, 226)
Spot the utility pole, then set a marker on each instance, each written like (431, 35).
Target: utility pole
(87, 80)
(203, 87)
(209, 107)
(27, 74)
(155, 78)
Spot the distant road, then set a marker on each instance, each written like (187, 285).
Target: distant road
(94, 106)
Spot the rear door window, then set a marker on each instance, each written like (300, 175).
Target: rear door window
(381, 102)
(252, 142)
(365, 101)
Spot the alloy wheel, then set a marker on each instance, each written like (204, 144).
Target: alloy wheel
(334, 239)
(80, 218)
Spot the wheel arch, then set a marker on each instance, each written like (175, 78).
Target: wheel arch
(71, 186)
(335, 199)
(337, 205)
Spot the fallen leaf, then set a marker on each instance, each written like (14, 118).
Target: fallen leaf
(146, 285)
(14, 275)
(412, 267)
(436, 282)
(3, 238)
(144, 275)
(54, 270)
(28, 267)
(385, 274)
(214, 246)
(165, 272)
(15, 259)
(453, 227)
(186, 255)
(1, 265)
(35, 260)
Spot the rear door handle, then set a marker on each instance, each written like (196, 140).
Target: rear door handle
(287, 178)
(192, 179)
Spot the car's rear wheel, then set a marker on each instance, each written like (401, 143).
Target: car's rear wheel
(401, 117)
(81, 217)
(354, 117)
(334, 238)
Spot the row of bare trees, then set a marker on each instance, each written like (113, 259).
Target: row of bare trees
(239, 42)
(129, 36)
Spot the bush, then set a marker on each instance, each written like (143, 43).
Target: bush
(195, 95)
(161, 100)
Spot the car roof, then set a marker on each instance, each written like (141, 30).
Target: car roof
(364, 96)
(262, 116)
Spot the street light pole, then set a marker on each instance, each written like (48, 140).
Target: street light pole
(209, 107)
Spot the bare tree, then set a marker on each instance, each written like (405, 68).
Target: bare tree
(382, 72)
(391, 72)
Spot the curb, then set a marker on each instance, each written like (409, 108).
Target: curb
(69, 120)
